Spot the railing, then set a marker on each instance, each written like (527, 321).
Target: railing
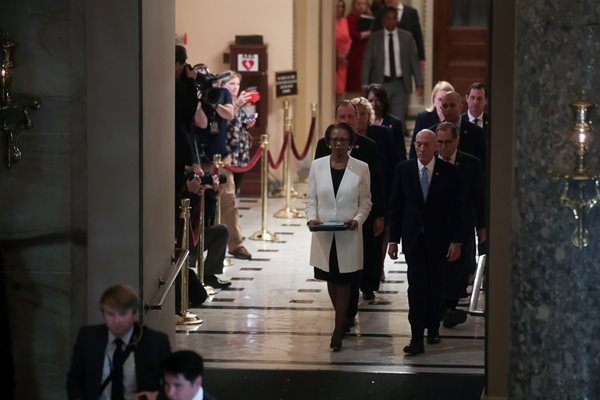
(477, 286)
(164, 285)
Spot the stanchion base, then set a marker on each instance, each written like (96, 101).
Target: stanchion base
(288, 213)
(211, 291)
(280, 192)
(188, 318)
(300, 195)
(227, 262)
(264, 235)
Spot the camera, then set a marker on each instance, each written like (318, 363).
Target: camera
(211, 95)
(253, 93)
(206, 179)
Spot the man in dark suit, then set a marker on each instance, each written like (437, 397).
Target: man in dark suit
(387, 156)
(390, 58)
(119, 358)
(183, 376)
(470, 173)
(364, 150)
(408, 19)
(472, 139)
(425, 214)
(477, 99)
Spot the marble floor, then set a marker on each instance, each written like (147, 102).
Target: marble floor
(275, 316)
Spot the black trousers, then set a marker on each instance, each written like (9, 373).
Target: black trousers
(456, 274)
(424, 287)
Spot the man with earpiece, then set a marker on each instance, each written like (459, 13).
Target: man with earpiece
(120, 358)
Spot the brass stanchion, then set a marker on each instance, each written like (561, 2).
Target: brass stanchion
(287, 181)
(200, 246)
(185, 317)
(218, 163)
(313, 145)
(263, 233)
(288, 211)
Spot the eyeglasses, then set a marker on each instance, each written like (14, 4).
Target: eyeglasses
(341, 140)
(446, 142)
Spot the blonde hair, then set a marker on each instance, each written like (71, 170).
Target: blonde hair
(234, 74)
(440, 85)
(362, 102)
(120, 297)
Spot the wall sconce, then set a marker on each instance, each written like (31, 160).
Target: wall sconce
(580, 188)
(14, 112)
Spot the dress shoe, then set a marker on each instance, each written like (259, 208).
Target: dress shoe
(433, 337)
(241, 253)
(336, 343)
(454, 317)
(350, 323)
(216, 283)
(414, 347)
(368, 295)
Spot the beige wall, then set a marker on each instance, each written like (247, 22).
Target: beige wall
(240, 18)
(158, 23)
(130, 153)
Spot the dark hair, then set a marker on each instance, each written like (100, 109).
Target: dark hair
(480, 86)
(443, 126)
(341, 125)
(389, 9)
(120, 297)
(382, 95)
(344, 102)
(185, 362)
(180, 54)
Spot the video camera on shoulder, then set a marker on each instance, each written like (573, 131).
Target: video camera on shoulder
(204, 83)
(206, 179)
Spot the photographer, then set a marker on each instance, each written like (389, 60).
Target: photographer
(188, 112)
(217, 106)
(200, 184)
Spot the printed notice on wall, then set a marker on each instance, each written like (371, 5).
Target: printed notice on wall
(286, 83)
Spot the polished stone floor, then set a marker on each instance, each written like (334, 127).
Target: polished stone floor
(275, 316)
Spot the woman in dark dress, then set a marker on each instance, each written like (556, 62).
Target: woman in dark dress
(338, 190)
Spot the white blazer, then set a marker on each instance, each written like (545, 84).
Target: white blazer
(353, 201)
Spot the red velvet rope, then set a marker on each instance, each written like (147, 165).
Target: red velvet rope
(275, 165)
(250, 165)
(311, 132)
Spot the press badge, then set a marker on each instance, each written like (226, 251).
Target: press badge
(214, 127)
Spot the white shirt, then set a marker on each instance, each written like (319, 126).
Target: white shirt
(400, 11)
(429, 169)
(452, 159)
(129, 380)
(472, 119)
(199, 394)
(386, 63)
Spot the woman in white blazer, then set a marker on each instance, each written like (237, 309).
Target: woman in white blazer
(338, 190)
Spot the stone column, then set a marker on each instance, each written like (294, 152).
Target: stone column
(555, 309)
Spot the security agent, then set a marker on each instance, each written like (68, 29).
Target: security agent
(120, 358)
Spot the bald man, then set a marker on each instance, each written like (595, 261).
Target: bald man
(425, 215)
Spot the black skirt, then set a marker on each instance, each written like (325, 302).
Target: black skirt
(334, 274)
